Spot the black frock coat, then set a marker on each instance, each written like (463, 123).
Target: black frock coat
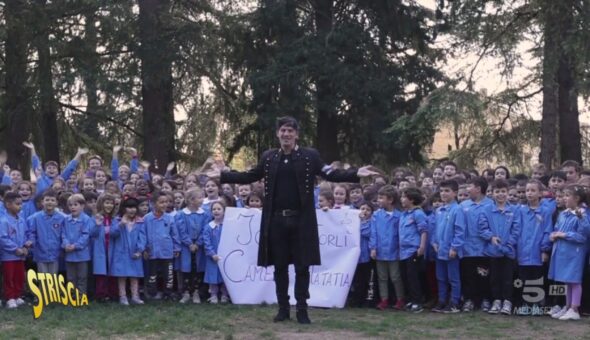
(308, 165)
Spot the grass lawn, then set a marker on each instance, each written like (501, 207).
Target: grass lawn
(172, 320)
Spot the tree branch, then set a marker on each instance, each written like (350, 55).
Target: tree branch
(94, 114)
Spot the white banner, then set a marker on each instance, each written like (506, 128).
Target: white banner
(339, 234)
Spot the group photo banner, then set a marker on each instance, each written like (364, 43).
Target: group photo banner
(247, 283)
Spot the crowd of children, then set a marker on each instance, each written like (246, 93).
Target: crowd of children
(454, 240)
(449, 240)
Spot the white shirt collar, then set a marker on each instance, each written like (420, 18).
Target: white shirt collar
(188, 212)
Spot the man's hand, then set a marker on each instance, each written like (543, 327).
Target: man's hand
(366, 171)
(170, 166)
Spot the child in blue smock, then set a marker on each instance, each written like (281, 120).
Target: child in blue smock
(413, 236)
(75, 241)
(162, 246)
(190, 222)
(533, 247)
(447, 241)
(13, 251)
(569, 237)
(44, 229)
(499, 227)
(211, 238)
(362, 274)
(384, 245)
(127, 237)
(106, 285)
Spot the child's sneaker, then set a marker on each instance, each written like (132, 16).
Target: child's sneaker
(136, 300)
(123, 301)
(485, 305)
(224, 299)
(11, 304)
(416, 308)
(399, 304)
(468, 306)
(383, 304)
(451, 309)
(496, 306)
(186, 297)
(439, 308)
(20, 302)
(571, 314)
(213, 300)
(196, 297)
(560, 313)
(506, 308)
(554, 310)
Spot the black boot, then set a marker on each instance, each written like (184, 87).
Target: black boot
(302, 317)
(282, 315)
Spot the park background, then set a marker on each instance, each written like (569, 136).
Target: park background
(387, 82)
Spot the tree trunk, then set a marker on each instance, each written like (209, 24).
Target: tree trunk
(47, 105)
(156, 73)
(18, 110)
(287, 32)
(569, 123)
(89, 125)
(549, 127)
(327, 124)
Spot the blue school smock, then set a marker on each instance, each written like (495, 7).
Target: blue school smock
(133, 166)
(44, 181)
(6, 180)
(161, 236)
(474, 244)
(45, 234)
(503, 224)
(240, 203)
(211, 238)
(76, 231)
(569, 254)
(385, 234)
(449, 232)
(535, 227)
(12, 236)
(2, 209)
(430, 255)
(190, 225)
(412, 224)
(550, 204)
(28, 208)
(100, 253)
(127, 242)
(365, 255)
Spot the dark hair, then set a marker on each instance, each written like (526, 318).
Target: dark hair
(500, 184)
(229, 200)
(503, 168)
(434, 198)
(473, 171)
(571, 163)
(90, 195)
(129, 202)
(287, 121)
(49, 193)
(11, 196)
(414, 195)
(4, 189)
(521, 177)
(449, 183)
(451, 163)
(329, 195)
(354, 186)
(370, 205)
(479, 182)
(156, 195)
(559, 174)
(255, 193)
(577, 190)
(389, 192)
